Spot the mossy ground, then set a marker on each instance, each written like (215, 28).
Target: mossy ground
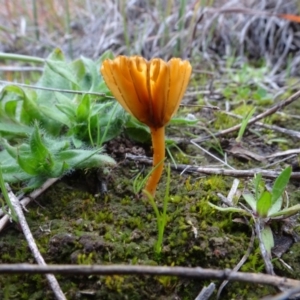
(71, 225)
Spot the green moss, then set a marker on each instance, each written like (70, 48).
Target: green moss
(86, 230)
(224, 121)
(181, 158)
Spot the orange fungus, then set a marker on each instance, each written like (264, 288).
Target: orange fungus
(151, 91)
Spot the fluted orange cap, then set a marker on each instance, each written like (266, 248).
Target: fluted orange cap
(150, 90)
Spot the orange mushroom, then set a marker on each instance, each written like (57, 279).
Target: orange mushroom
(151, 91)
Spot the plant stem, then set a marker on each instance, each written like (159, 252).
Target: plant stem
(158, 144)
(68, 28)
(181, 26)
(162, 217)
(20, 57)
(125, 25)
(161, 229)
(36, 24)
(13, 214)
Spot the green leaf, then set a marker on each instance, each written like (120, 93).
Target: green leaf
(103, 108)
(83, 110)
(267, 238)
(15, 129)
(87, 72)
(12, 151)
(13, 214)
(137, 131)
(56, 115)
(276, 206)
(63, 69)
(287, 212)
(111, 123)
(263, 204)
(28, 164)
(65, 106)
(77, 142)
(38, 149)
(13, 173)
(106, 55)
(65, 99)
(34, 183)
(256, 181)
(10, 168)
(79, 158)
(96, 161)
(183, 121)
(230, 209)
(14, 89)
(10, 109)
(245, 122)
(52, 80)
(16, 96)
(30, 111)
(280, 183)
(75, 156)
(56, 145)
(49, 167)
(78, 69)
(250, 200)
(59, 169)
(56, 54)
(68, 111)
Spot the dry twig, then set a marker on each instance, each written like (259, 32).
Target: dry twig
(185, 272)
(253, 120)
(25, 201)
(285, 295)
(32, 245)
(206, 292)
(215, 171)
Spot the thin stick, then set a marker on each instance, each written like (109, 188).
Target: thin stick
(33, 247)
(20, 69)
(186, 272)
(241, 262)
(268, 112)
(206, 292)
(285, 295)
(289, 132)
(55, 90)
(33, 195)
(215, 171)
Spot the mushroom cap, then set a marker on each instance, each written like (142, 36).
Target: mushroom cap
(150, 90)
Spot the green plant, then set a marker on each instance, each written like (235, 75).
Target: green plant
(161, 216)
(248, 74)
(11, 212)
(264, 206)
(49, 129)
(181, 14)
(244, 124)
(69, 99)
(41, 157)
(139, 180)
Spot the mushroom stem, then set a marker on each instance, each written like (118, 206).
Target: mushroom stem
(158, 145)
